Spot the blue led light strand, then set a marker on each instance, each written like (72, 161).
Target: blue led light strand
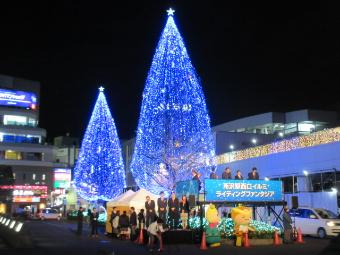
(99, 172)
(174, 134)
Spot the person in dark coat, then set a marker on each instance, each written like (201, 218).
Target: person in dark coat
(141, 219)
(184, 211)
(173, 205)
(80, 217)
(226, 175)
(287, 226)
(150, 211)
(253, 175)
(238, 175)
(162, 204)
(196, 177)
(94, 222)
(124, 223)
(133, 221)
(213, 174)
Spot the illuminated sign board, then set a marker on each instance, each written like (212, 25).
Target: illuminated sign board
(18, 98)
(28, 199)
(62, 178)
(243, 190)
(26, 193)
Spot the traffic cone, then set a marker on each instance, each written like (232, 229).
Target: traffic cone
(161, 243)
(203, 242)
(276, 239)
(246, 240)
(299, 237)
(140, 239)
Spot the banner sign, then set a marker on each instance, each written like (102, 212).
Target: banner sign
(243, 190)
(18, 99)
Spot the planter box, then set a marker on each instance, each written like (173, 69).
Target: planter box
(252, 242)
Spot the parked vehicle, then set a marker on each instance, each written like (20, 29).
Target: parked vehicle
(49, 214)
(316, 221)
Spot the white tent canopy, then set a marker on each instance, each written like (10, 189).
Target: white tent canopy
(122, 197)
(137, 200)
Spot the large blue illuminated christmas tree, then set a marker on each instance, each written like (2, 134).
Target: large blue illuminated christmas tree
(174, 134)
(99, 173)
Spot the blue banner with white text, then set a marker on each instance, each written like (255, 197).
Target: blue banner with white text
(243, 190)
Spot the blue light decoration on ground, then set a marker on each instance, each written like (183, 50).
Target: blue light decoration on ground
(99, 172)
(174, 134)
(226, 227)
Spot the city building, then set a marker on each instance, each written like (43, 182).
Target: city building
(269, 127)
(66, 150)
(305, 158)
(22, 145)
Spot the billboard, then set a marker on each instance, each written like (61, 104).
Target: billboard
(16, 98)
(62, 178)
(243, 190)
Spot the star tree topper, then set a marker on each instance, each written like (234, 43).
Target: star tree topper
(170, 12)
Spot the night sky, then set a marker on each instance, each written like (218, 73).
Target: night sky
(251, 57)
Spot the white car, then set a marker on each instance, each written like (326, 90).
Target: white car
(316, 221)
(49, 214)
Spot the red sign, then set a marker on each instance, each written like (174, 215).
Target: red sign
(24, 187)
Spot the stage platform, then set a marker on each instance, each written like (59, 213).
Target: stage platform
(176, 237)
(181, 236)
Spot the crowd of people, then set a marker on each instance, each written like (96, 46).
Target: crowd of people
(227, 175)
(169, 212)
(168, 215)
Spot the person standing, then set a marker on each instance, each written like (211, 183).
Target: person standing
(141, 219)
(133, 222)
(213, 174)
(150, 211)
(287, 226)
(124, 224)
(253, 175)
(161, 204)
(226, 175)
(173, 211)
(94, 222)
(80, 218)
(88, 221)
(113, 215)
(196, 177)
(238, 175)
(184, 209)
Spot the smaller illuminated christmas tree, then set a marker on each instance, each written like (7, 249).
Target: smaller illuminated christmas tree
(99, 172)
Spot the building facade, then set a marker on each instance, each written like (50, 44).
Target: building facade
(22, 144)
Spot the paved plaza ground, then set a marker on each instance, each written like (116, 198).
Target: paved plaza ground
(51, 237)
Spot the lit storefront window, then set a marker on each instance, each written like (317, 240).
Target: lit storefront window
(9, 154)
(18, 138)
(15, 120)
